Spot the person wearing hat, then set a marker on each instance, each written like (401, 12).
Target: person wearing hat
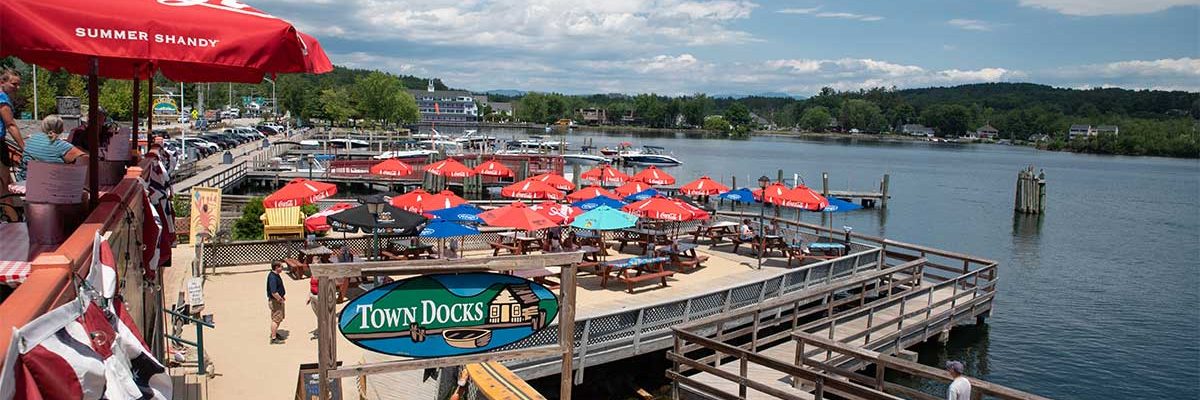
(960, 388)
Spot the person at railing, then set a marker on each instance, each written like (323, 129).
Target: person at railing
(10, 82)
(960, 388)
(46, 146)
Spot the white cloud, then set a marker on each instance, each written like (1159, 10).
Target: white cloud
(1106, 7)
(841, 15)
(970, 24)
(1165, 74)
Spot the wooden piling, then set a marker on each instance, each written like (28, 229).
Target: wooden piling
(883, 188)
(1030, 197)
(825, 184)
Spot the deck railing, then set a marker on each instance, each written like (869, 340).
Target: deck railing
(51, 280)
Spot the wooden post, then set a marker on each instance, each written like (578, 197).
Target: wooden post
(884, 188)
(575, 171)
(825, 184)
(93, 133)
(326, 342)
(566, 329)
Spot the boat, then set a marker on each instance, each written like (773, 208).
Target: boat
(404, 154)
(584, 159)
(613, 152)
(471, 136)
(434, 135)
(467, 338)
(649, 155)
(347, 143)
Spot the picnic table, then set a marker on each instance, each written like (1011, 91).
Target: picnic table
(408, 252)
(771, 242)
(14, 253)
(645, 268)
(717, 231)
(683, 255)
(800, 251)
(644, 237)
(515, 243)
(298, 267)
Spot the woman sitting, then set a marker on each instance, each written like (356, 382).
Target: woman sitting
(45, 146)
(746, 232)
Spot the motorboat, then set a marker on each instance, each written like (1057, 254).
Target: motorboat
(433, 135)
(414, 153)
(471, 136)
(347, 143)
(649, 155)
(584, 159)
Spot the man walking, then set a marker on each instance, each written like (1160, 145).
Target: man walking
(275, 298)
(960, 388)
(10, 82)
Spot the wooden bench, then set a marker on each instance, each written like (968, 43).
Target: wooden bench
(683, 263)
(296, 268)
(497, 246)
(630, 281)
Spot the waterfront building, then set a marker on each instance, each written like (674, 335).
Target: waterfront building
(1089, 130)
(1107, 129)
(987, 132)
(916, 130)
(502, 108)
(593, 116)
(445, 105)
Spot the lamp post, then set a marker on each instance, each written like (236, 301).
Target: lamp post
(763, 181)
(312, 163)
(274, 104)
(375, 206)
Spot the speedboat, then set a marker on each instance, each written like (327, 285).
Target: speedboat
(347, 143)
(471, 136)
(584, 159)
(434, 135)
(649, 155)
(404, 154)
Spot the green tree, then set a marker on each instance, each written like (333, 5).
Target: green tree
(250, 226)
(695, 108)
(408, 108)
(815, 119)
(947, 120)
(45, 92)
(862, 115)
(76, 86)
(738, 115)
(381, 97)
(336, 105)
(116, 96)
(716, 123)
(650, 110)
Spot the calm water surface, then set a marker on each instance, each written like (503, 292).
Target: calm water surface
(1097, 298)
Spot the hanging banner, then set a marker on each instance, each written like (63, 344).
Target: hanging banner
(448, 314)
(206, 212)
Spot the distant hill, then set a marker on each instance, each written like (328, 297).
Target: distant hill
(506, 92)
(1009, 96)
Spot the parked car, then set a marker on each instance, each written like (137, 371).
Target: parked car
(267, 130)
(250, 133)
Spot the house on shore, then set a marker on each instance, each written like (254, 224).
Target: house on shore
(987, 132)
(445, 105)
(593, 116)
(1077, 131)
(916, 130)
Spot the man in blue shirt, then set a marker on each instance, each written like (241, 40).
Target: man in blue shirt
(275, 298)
(10, 82)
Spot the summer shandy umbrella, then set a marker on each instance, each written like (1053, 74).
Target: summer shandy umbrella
(299, 192)
(493, 168)
(559, 213)
(642, 195)
(654, 176)
(591, 192)
(605, 218)
(391, 168)
(704, 186)
(598, 201)
(517, 215)
(555, 180)
(531, 190)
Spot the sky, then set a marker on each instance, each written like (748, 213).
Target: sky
(796, 47)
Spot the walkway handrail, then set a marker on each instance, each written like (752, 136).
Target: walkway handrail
(885, 362)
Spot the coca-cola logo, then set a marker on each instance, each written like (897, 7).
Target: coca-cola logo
(227, 5)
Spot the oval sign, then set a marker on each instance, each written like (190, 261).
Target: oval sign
(447, 314)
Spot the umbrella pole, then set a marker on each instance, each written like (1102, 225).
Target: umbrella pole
(150, 112)
(133, 114)
(93, 132)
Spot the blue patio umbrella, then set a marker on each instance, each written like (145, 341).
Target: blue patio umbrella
(464, 213)
(595, 202)
(742, 195)
(605, 218)
(441, 229)
(642, 195)
(839, 205)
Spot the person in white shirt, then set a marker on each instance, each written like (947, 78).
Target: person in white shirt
(960, 388)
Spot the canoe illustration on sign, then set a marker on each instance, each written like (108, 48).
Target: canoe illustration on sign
(447, 314)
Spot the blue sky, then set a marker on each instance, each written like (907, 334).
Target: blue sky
(745, 46)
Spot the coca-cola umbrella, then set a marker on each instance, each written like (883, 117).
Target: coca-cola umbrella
(299, 192)
(494, 168)
(531, 190)
(604, 175)
(187, 41)
(450, 168)
(654, 176)
(704, 186)
(591, 192)
(630, 188)
(318, 222)
(555, 180)
(391, 168)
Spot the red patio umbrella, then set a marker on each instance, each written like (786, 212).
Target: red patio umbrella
(532, 190)
(299, 192)
(630, 188)
(668, 209)
(704, 186)
(493, 168)
(187, 41)
(518, 216)
(805, 198)
(604, 174)
(591, 192)
(318, 223)
(555, 180)
(558, 213)
(449, 168)
(391, 168)
(414, 201)
(654, 176)
(443, 200)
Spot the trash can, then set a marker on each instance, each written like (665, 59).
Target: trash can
(227, 158)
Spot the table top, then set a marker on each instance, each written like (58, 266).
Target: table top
(826, 245)
(316, 251)
(14, 254)
(534, 273)
(516, 236)
(680, 248)
(589, 249)
(722, 224)
(586, 234)
(635, 262)
(647, 231)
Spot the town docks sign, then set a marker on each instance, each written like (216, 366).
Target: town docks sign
(447, 314)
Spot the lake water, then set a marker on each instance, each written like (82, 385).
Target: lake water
(1097, 298)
